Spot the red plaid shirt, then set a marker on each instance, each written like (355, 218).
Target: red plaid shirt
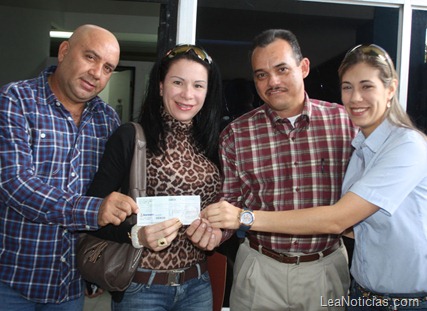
(270, 165)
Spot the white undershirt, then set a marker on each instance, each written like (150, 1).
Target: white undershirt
(292, 119)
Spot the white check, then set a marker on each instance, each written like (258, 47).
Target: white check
(153, 210)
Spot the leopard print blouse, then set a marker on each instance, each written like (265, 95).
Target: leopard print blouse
(182, 170)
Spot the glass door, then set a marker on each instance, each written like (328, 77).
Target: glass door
(325, 32)
(417, 87)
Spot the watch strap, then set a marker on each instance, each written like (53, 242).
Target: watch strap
(243, 229)
(241, 233)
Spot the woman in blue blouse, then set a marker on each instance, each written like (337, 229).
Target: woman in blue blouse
(384, 194)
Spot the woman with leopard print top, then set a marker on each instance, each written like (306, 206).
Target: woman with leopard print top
(181, 119)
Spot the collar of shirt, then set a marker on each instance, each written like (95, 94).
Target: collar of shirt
(301, 123)
(51, 99)
(367, 147)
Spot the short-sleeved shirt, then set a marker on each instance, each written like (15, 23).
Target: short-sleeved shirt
(389, 169)
(271, 165)
(47, 163)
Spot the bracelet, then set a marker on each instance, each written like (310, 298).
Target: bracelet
(134, 236)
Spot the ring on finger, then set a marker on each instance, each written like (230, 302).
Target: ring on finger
(162, 242)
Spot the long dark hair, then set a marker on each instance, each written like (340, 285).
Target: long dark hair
(206, 123)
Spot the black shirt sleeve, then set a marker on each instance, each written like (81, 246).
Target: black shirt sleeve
(113, 175)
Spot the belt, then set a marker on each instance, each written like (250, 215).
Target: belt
(293, 259)
(174, 277)
(395, 297)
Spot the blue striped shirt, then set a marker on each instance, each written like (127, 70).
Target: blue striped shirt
(47, 163)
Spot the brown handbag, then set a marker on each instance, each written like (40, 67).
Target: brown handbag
(112, 265)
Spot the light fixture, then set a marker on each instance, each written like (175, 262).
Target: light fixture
(60, 34)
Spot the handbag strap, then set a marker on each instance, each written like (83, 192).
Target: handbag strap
(138, 168)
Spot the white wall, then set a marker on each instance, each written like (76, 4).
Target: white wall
(25, 47)
(25, 42)
(118, 87)
(25, 26)
(142, 72)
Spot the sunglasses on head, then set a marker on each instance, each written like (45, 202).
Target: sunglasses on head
(186, 48)
(374, 51)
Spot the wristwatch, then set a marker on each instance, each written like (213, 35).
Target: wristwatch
(246, 219)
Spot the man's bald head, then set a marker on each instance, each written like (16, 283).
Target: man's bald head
(90, 31)
(85, 64)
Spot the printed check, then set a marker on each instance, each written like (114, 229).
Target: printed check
(153, 210)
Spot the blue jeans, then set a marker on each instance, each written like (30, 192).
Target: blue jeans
(193, 295)
(373, 304)
(11, 300)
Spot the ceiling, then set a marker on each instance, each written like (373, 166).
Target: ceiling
(135, 23)
(224, 27)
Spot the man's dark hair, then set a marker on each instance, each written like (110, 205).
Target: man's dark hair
(268, 36)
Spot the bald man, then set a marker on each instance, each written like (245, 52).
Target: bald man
(53, 131)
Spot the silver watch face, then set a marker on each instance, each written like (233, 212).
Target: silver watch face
(247, 218)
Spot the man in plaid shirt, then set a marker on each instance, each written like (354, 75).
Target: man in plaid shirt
(289, 154)
(53, 129)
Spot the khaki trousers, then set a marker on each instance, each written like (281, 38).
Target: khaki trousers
(264, 284)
